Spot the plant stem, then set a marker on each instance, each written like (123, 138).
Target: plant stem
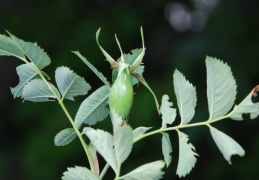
(105, 169)
(79, 136)
(206, 123)
(67, 114)
(118, 170)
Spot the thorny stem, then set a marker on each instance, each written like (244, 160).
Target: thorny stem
(67, 114)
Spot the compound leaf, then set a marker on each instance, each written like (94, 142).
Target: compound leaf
(103, 142)
(93, 108)
(187, 155)
(65, 137)
(221, 87)
(246, 106)
(168, 113)
(33, 52)
(26, 73)
(226, 144)
(70, 84)
(186, 97)
(9, 48)
(98, 74)
(79, 173)
(167, 148)
(149, 171)
(37, 91)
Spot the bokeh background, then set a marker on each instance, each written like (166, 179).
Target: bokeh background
(178, 34)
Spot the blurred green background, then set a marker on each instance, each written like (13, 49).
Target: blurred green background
(178, 34)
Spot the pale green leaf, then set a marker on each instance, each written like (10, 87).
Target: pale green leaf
(85, 129)
(70, 84)
(103, 142)
(33, 52)
(167, 148)
(142, 80)
(186, 97)
(123, 137)
(97, 73)
(94, 158)
(246, 106)
(79, 173)
(9, 48)
(37, 91)
(93, 108)
(149, 171)
(26, 73)
(221, 87)
(140, 131)
(65, 137)
(168, 113)
(187, 155)
(226, 144)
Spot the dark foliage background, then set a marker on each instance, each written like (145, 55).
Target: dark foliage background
(177, 34)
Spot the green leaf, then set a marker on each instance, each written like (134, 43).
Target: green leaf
(150, 171)
(103, 142)
(167, 148)
(129, 59)
(168, 113)
(140, 131)
(226, 144)
(142, 80)
(94, 158)
(187, 155)
(37, 91)
(93, 108)
(221, 87)
(246, 106)
(70, 84)
(26, 73)
(79, 173)
(33, 52)
(65, 137)
(186, 97)
(123, 137)
(98, 74)
(9, 48)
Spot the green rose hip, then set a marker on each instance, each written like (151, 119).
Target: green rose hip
(121, 94)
